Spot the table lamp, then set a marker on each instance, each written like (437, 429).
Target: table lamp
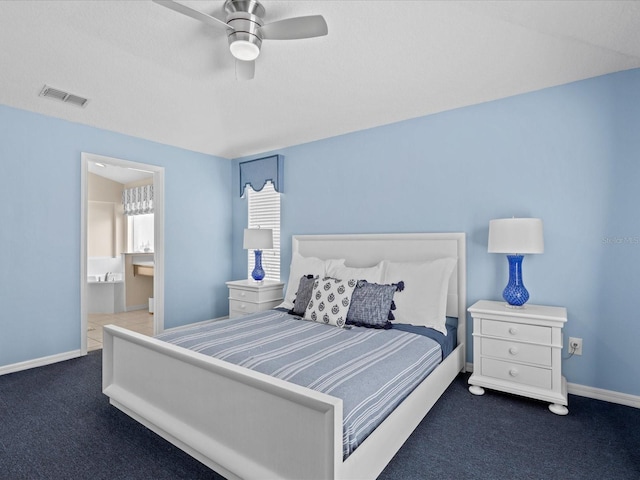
(258, 239)
(515, 237)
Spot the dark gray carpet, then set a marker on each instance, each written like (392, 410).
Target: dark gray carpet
(56, 424)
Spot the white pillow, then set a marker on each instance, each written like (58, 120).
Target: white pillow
(424, 298)
(370, 274)
(305, 266)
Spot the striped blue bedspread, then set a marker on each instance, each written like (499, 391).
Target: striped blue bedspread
(371, 370)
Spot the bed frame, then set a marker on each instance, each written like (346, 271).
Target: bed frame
(244, 424)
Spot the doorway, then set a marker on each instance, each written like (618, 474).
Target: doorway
(89, 162)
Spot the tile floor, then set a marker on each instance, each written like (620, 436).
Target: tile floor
(140, 321)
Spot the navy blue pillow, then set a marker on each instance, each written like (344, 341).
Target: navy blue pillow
(371, 304)
(303, 295)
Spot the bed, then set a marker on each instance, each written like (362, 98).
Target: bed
(246, 424)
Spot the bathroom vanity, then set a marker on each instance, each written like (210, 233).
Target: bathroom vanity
(138, 271)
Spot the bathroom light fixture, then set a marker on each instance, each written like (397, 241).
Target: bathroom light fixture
(259, 239)
(101, 165)
(515, 236)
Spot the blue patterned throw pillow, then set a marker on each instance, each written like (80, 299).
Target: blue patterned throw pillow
(303, 295)
(330, 301)
(371, 304)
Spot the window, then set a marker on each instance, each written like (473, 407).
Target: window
(140, 233)
(264, 212)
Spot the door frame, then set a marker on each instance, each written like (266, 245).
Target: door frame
(158, 221)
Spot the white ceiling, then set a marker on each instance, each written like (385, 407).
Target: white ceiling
(153, 73)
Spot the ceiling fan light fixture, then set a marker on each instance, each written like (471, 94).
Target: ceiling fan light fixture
(244, 50)
(246, 29)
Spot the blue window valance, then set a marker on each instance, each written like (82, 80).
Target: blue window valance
(258, 172)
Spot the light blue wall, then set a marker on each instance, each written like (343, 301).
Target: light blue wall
(568, 155)
(40, 230)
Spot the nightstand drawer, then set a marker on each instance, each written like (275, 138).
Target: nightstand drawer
(514, 351)
(257, 295)
(517, 331)
(244, 295)
(238, 307)
(512, 372)
(242, 306)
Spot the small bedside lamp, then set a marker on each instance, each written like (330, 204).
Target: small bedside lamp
(259, 239)
(515, 236)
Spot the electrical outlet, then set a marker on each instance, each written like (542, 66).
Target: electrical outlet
(575, 345)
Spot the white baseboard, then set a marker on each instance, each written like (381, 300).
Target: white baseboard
(39, 362)
(596, 393)
(606, 395)
(60, 357)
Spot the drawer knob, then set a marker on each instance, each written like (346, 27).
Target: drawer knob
(513, 330)
(513, 372)
(513, 350)
(242, 294)
(243, 306)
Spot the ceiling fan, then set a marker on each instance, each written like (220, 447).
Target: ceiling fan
(246, 29)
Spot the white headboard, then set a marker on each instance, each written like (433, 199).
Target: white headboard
(366, 250)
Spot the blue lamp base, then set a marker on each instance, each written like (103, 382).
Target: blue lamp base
(515, 292)
(258, 273)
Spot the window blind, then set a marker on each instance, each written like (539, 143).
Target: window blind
(264, 212)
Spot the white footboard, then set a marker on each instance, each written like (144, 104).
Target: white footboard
(242, 424)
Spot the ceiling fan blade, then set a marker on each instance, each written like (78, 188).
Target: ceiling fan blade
(295, 28)
(190, 12)
(245, 70)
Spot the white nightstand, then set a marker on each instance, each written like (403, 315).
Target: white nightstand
(519, 350)
(247, 296)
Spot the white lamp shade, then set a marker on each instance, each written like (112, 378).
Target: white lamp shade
(258, 238)
(516, 236)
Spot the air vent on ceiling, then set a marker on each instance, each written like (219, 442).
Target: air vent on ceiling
(63, 96)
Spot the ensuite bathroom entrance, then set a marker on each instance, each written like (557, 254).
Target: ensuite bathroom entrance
(122, 247)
